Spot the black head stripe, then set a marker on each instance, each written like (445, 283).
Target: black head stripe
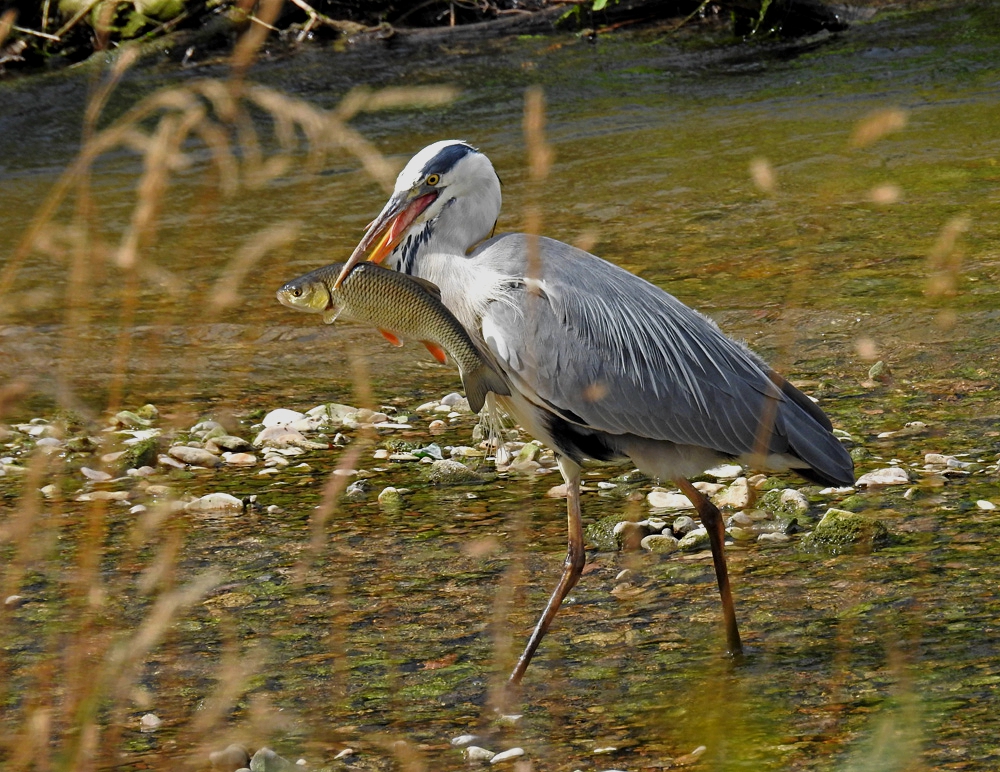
(445, 161)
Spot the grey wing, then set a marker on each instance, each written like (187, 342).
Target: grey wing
(607, 350)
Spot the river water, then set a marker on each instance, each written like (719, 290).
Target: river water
(389, 642)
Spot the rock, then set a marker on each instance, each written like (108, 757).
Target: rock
(892, 475)
(986, 505)
(602, 533)
(281, 417)
(475, 753)
(786, 501)
(773, 537)
(266, 760)
(911, 429)
(463, 739)
(683, 525)
(529, 452)
(740, 520)
(216, 502)
(635, 477)
(240, 459)
(741, 534)
(693, 540)
(204, 428)
(725, 471)
(390, 497)
(660, 543)
(126, 419)
(284, 437)
(451, 399)
(148, 411)
(840, 529)
(437, 427)
(428, 407)
(659, 499)
(229, 759)
(794, 502)
(739, 495)
(104, 496)
(628, 534)
(709, 489)
(449, 471)
(138, 454)
(194, 456)
(94, 474)
(231, 443)
(149, 722)
(511, 753)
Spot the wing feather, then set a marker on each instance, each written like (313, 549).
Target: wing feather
(611, 351)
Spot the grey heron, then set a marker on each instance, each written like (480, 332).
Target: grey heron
(603, 365)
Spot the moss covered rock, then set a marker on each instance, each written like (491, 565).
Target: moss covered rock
(840, 530)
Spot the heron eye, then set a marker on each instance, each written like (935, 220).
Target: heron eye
(433, 179)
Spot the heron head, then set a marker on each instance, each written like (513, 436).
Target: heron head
(449, 190)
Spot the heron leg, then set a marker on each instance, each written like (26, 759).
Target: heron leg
(576, 557)
(711, 517)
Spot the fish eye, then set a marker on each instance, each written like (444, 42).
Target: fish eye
(433, 179)
(296, 292)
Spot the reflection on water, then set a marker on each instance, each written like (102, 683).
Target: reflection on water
(400, 624)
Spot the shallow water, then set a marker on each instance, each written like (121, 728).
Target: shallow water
(391, 639)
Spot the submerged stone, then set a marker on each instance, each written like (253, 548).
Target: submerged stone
(892, 475)
(840, 530)
(449, 471)
(231, 758)
(266, 760)
(659, 543)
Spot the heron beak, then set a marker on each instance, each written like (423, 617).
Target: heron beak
(388, 229)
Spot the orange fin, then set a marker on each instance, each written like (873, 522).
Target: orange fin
(391, 338)
(436, 351)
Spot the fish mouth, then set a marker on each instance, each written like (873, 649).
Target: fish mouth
(389, 228)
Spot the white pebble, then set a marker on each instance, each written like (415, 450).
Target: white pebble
(463, 739)
(774, 538)
(344, 754)
(94, 474)
(666, 500)
(149, 722)
(512, 753)
(475, 753)
(281, 417)
(725, 472)
(194, 456)
(216, 502)
(987, 505)
(427, 407)
(892, 475)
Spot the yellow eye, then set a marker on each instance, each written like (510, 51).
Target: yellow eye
(433, 179)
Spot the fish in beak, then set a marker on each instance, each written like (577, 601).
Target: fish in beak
(389, 227)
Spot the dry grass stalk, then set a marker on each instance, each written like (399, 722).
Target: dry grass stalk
(77, 692)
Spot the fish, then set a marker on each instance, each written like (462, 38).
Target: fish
(397, 304)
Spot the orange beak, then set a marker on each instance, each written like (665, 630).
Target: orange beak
(388, 228)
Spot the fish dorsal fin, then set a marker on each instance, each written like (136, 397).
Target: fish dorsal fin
(430, 286)
(436, 351)
(395, 341)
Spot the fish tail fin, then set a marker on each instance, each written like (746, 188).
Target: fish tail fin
(480, 382)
